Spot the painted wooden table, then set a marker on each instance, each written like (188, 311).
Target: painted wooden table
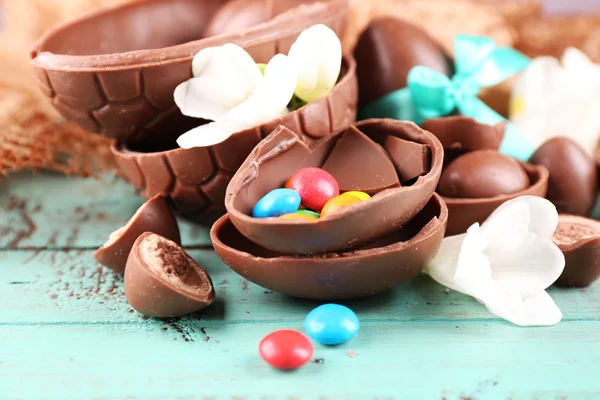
(67, 332)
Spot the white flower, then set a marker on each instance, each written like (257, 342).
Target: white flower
(553, 98)
(507, 263)
(229, 88)
(317, 53)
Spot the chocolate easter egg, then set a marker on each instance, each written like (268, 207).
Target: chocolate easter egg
(387, 50)
(482, 174)
(573, 182)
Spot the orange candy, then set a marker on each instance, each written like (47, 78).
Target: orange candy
(338, 202)
(305, 217)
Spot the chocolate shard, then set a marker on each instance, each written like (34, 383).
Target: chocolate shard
(153, 216)
(360, 271)
(411, 159)
(162, 280)
(573, 184)
(358, 163)
(387, 50)
(133, 56)
(579, 240)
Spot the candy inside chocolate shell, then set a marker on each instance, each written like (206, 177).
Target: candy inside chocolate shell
(283, 153)
(579, 240)
(361, 271)
(162, 280)
(195, 179)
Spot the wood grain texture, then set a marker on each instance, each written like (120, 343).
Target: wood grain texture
(67, 332)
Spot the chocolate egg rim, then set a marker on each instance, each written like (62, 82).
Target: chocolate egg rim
(165, 282)
(495, 142)
(539, 172)
(324, 10)
(433, 174)
(427, 231)
(583, 242)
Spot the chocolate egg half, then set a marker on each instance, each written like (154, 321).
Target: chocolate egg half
(114, 72)
(372, 153)
(361, 271)
(482, 174)
(387, 50)
(573, 182)
(195, 179)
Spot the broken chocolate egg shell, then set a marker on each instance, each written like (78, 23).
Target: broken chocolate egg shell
(357, 158)
(162, 280)
(387, 50)
(579, 240)
(153, 216)
(465, 133)
(363, 271)
(464, 212)
(114, 71)
(573, 182)
(195, 179)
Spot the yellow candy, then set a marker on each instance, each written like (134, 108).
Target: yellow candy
(361, 195)
(343, 200)
(305, 217)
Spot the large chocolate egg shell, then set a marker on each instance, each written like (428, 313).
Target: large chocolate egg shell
(579, 240)
(465, 212)
(283, 153)
(573, 182)
(387, 50)
(195, 179)
(359, 272)
(114, 71)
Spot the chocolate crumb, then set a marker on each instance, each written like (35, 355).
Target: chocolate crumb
(319, 361)
(245, 285)
(409, 307)
(203, 330)
(268, 292)
(351, 353)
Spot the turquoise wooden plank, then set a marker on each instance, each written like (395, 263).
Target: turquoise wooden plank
(68, 286)
(412, 360)
(52, 211)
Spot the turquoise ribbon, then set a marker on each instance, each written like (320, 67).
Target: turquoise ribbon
(431, 94)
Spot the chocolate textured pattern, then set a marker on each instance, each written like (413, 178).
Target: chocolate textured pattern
(195, 179)
(114, 77)
(153, 216)
(573, 183)
(162, 280)
(579, 240)
(361, 271)
(283, 153)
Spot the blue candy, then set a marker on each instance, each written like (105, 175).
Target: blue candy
(331, 324)
(276, 203)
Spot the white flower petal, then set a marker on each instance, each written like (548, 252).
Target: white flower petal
(277, 88)
(505, 228)
(207, 97)
(543, 216)
(537, 309)
(317, 51)
(206, 135)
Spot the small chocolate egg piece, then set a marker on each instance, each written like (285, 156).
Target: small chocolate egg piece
(482, 174)
(573, 182)
(387, 50)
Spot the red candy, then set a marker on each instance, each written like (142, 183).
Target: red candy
(286, 349)
(315, 186)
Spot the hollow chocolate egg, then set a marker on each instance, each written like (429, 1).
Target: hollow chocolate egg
(361, 271)
(573, 182)
(114, 71)
(195, 179)
(358, 159)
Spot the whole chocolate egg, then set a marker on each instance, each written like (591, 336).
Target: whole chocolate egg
(482, 174)
(573, 182)
(237, 15)
(387, 50)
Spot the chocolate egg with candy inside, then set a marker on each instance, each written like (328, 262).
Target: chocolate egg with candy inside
(387, 50)
(482, 174)
(573, 182)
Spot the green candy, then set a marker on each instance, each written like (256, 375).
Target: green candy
(308, 212)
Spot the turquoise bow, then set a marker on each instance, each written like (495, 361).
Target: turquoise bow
(431, 94)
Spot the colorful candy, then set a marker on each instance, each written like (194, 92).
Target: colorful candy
(308, 212)
(361, 195)
(277, 202)
(315, 186)
(298, 215)
(286, 349)
(338, 202)
(331, 324)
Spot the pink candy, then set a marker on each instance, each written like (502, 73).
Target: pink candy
(315, 186)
